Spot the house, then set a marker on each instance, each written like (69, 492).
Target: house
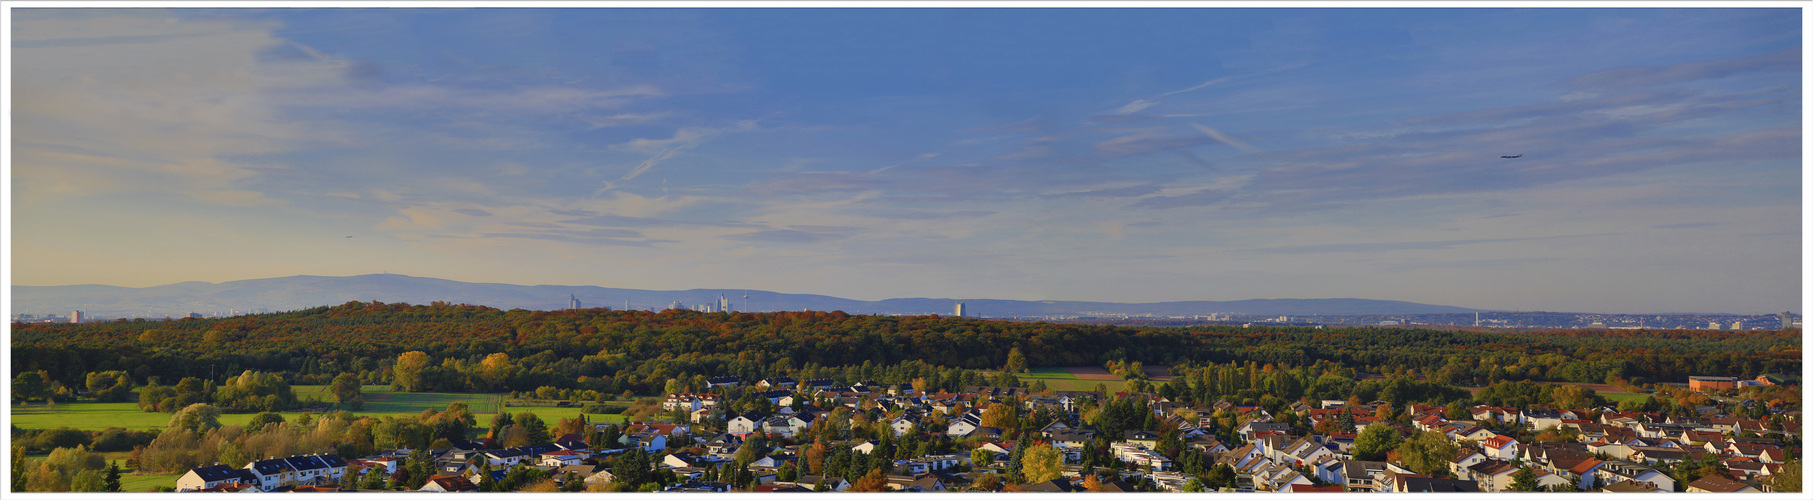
(723, 444)
(1501, 448)
(1547, 481)
(1254, 428)
(745, 424)
(649, 441)
(590, 474)
(1492, 475)
(1419, 483)
(507, 457)
(926, 483)
(689, 402)
(723, 382)
(1059, 485)
(1279, 477)
(448, 484)
(1147, 439)
(1308, 450)
(685, 459)
(1464, 459)
(561, 458)
(774, 461)
(776, 382)
(1715, 483)
(1205, 443)
(1361, 475)
(997, 448)
(831, 483)
(782, 425)
(1618, 471)
(1582, 472)
(964, 425)
(1656, 455)
(764, 488)
(931, 463)
(272, 473)
(1139, 456)
(201, 478)
(1310, 488)
(902, 426)
(1631, 487)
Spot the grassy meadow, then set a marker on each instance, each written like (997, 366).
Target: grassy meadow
(1047, 374)
(379, 401)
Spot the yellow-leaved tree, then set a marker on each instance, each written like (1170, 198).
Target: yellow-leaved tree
(1042, 463)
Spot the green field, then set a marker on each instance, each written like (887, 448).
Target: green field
(1047, 374)
(138, 483)
(1085, 385)
(379, 401)
(1619, 398)
(130, 481)
(97, 416)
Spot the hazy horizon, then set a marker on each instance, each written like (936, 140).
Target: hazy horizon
(1109, 155)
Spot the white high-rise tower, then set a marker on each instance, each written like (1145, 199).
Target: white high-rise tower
(959, 312)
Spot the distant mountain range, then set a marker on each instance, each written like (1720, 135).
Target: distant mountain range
(302, 292)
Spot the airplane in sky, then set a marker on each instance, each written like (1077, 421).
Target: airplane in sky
(1518, 155)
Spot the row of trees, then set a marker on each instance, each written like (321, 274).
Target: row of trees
(552, 347)
(248, 391)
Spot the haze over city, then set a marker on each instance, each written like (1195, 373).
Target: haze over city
(1115, 155)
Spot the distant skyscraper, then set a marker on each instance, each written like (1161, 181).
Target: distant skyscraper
(75, 316)
(723, 304)
(676, 305)
(959, 312)
(1787, 320)
(572, 303)
(1713, 325)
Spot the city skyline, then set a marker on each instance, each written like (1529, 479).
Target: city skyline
(1116, 155)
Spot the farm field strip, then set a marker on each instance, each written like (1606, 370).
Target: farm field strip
(1047, 374)
(1090, 373)
(98, 416)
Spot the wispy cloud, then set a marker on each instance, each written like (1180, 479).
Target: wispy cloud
(1783, 61)
(1217, 135)
(784, 236)
(1386, 247)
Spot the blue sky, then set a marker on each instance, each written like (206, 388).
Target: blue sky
(1095, 154)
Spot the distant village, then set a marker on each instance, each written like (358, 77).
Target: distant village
(956, 442)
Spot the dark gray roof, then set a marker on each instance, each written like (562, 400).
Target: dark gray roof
(270, 467)
(1438, 485)
(220, 472)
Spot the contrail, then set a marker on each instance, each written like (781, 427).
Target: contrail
(1204, 84)
(1217, 135)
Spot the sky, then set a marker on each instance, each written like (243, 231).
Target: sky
(1120, 155)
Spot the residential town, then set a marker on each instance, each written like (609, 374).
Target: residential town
(805, 436)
